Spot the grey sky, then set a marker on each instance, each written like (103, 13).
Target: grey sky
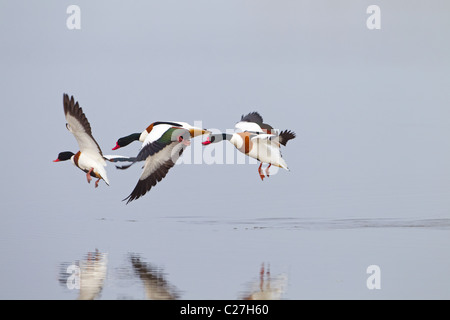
(370, 107)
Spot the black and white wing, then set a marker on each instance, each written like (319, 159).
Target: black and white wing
(158, 162)
(79, 126)
(253, 122)
(252, 117)
(285, 136)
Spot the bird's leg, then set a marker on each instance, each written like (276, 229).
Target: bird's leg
(88, 175)
(261, 278)
(267, 170)
(268, 277)
(96, 182)
(261, 174)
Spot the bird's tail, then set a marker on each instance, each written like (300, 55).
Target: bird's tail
(283, 164)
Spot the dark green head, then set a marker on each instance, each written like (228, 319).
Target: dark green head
(122, 142)
(63, 156)
(175, 134)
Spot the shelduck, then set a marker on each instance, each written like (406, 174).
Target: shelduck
(89, 158)
(163, 144)
(257, 140)
(124, 141)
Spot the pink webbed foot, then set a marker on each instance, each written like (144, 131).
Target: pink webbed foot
(267, 170)
(88, 175)
(261, 174)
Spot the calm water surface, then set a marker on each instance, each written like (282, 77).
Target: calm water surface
(198, 257)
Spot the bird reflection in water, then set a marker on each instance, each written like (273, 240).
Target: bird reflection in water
(268, 287)
(87, 276)
(155, 284)
(92, 275)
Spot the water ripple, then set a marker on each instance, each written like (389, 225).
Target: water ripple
(323, 223)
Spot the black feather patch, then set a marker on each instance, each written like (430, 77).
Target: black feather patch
(71, 107)
(285, 136)
(124, 167)
(252, 117)
(121, 159)
(167, 122)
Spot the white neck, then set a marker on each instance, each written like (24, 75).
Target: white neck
(237, 140)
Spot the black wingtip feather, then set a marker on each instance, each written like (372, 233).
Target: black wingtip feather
(252, 117)
(285, 136)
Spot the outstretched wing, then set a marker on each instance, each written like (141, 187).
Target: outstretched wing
(285, 136)
(79, 126)
(156, 167)
(253, 117)
(253, 122)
